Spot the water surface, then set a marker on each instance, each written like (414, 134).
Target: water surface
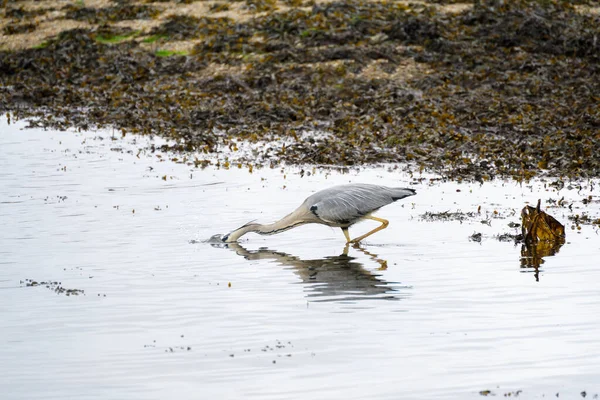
(417, 311)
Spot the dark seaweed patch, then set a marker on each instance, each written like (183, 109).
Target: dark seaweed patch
(180, 27)
(13, 29)
(20, 13)
(506, 89)
(119, 12)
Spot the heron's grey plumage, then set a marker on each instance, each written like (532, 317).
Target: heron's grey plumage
(339, 206)
(345, 205)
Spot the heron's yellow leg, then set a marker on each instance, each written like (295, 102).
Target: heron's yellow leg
(384, 224)
(345, 230)
(345, 251)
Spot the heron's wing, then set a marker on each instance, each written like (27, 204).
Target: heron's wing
(337, 211)
(346, 204)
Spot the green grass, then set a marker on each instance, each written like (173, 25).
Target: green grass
(309, 32)
(42, 45)
(154, 38)
(168, 53)
(112, 39)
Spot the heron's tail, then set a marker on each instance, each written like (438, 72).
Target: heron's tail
(400, 193)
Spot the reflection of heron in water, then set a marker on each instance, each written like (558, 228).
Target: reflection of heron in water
(340, 278)
(340, 207)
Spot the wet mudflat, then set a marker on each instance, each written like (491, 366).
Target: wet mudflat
(149, 311)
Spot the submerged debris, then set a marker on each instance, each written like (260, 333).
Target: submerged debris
(449, 216)
(584, 219)
(543, 236)
(476, 237)
(56, 287)
(484, 218)
(509, 237)
(537, 226)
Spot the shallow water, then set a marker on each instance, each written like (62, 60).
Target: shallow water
(417, 311)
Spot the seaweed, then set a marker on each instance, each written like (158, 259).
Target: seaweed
(505, 89)
(119, 12)
(180, 27)
(14, 29)
(542, 236)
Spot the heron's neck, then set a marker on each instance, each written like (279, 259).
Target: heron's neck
(288, 222)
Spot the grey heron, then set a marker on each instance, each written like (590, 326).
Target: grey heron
(340, 206)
